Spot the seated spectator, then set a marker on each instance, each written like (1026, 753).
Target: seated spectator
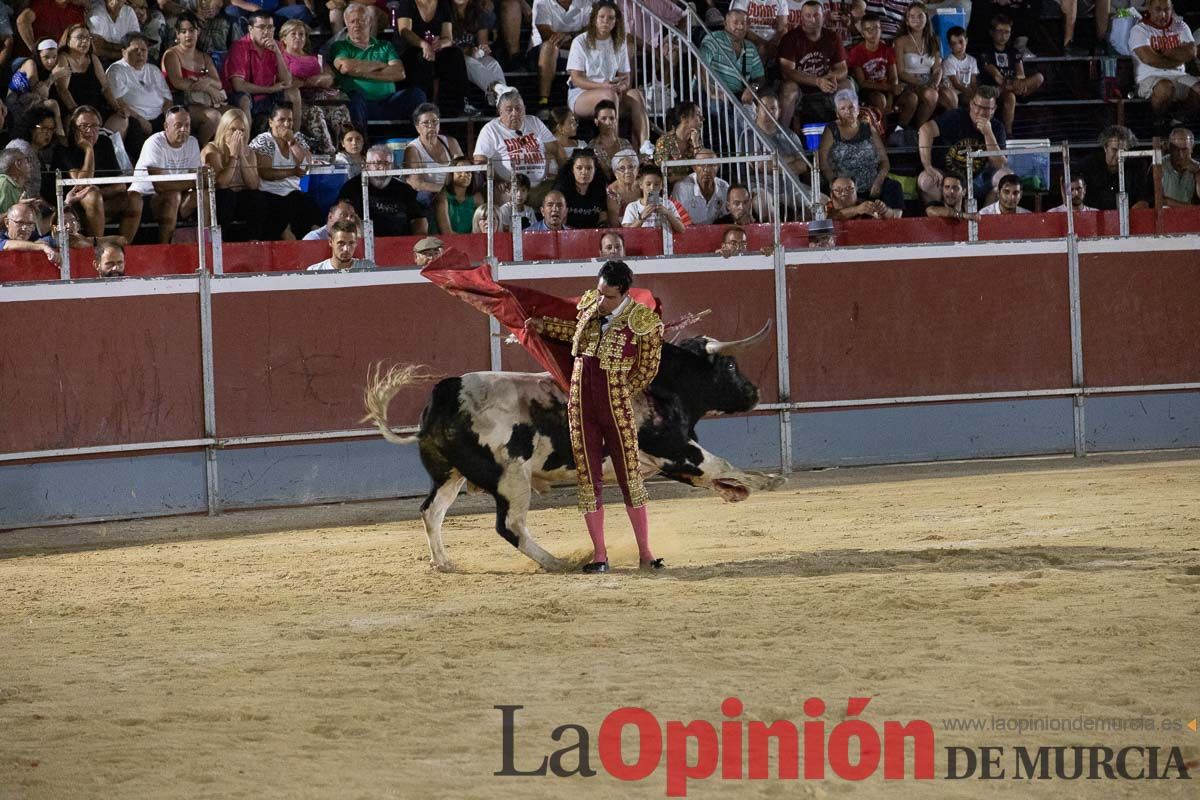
(844, 203)
(238, 186)
(172, 150)
(91, 155)
(32, 83)
(584, 192)
(516, 208)
(649, 210)
(555, 24)
(109, 260)
(79, 80)
(960, 71)
(343, 241)
(256, 73)
(14, 176)
(1002, 66)
(339, 211)
(473, 26)
(215, 28)
(485, 216)
(813, 63)
(624, 189)
(394, 208)
(702, 194)
(821, 233)
(554, 214)
(430, 149)
(352, 152)
(732, 59)
(853, 148)
(739, 208)
(1078, 193)
(733, 242)
(154, 26)
(953, 202)
(21, 233)
(513, 14)
(919, 67)
(368, 71)
(607, 141)
(565, 126)
(323, 120)
(455, 204)
(33, 135)
(599, 70)
(432, 62)
(110, 22)
(141, 87)
(47, 19)
(766, 23)
(193, 78)
(1180, 171)
(872, 64)
(612, 245)
(1100, 172)
(1009, 198)
(682, 138)
(946, 140)
(516, 142)
(70, 228)
(283, 159)
(428, 249)
(1162, 45)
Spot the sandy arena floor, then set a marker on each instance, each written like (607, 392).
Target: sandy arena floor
(313, 653)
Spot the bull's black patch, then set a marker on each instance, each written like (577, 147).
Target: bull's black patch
(520, 444)
(551, 421)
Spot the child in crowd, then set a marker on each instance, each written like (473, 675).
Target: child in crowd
(350, 151)
(651, 210)
(960, 71)
(1001, 65)
(565, 128)
(516, 208)
(873, 66)
(455, 205)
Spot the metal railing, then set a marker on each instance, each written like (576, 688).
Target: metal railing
(1155, 156)
(669, 68)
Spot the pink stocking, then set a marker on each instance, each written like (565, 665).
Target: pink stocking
(595, 526)
(641, 531)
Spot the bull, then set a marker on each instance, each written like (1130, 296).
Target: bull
(506, 434)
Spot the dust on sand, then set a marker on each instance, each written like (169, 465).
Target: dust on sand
(313, 653)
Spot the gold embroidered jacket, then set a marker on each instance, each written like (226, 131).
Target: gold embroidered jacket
(630, 349)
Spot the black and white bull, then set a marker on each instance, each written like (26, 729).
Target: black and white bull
(506, 433)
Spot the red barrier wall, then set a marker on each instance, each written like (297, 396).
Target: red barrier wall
(100, 371)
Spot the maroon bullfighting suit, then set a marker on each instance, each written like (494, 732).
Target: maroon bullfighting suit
(612, 366)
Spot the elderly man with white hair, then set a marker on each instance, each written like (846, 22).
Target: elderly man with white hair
(519, 143)
(369, 70)
(395, 210)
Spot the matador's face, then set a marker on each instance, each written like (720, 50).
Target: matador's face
(611, 297)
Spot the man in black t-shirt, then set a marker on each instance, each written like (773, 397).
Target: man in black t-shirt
(943, 144)
(395, 210)
(1002, 65)
(91, 155)
(1100, 175)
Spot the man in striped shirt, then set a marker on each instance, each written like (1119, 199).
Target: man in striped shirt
(733, 59)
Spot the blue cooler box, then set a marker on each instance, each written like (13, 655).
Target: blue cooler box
(1032, 168)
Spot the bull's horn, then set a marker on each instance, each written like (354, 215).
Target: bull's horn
(719, 348)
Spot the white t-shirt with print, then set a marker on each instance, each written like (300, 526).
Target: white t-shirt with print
(1160, 41)
(963, 69)
(761, 15)
(516, 151)
(160, 155)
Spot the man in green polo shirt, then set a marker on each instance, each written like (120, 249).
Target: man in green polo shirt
(732, 57)
(368, 71)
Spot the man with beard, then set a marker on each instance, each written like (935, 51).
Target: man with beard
(395, 210)
(953, 204)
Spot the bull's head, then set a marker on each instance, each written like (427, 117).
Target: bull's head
(705, 375)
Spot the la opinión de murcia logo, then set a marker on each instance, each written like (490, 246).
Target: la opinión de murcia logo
(852, 750)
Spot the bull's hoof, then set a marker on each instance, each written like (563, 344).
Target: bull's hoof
(444, 566)
(731, 492)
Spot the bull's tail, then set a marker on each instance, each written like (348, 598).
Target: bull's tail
(383, 386)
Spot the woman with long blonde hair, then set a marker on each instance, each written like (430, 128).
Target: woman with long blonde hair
(235, 173)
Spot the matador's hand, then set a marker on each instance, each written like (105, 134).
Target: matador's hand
(534, 324)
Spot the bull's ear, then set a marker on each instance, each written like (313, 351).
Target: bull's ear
(718, 348)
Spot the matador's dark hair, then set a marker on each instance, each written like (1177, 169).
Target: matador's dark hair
(618, 275)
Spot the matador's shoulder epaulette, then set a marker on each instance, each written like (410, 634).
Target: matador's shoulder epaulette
(589, 298)
(642, 320)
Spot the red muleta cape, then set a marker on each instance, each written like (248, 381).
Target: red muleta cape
(511, 305)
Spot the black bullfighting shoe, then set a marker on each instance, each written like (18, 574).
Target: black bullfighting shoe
(653, 565)
(596, 566)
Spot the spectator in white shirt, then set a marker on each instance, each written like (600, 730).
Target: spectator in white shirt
(555, 24)
(1009, 194)
(1078, 192)
(172, 150)
(142, 87)
(599, 68)
(651, 210)
(342, 243)
(517, 142)
(1162, 45)
(110, 22)
(702, 194)
(341, 211)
